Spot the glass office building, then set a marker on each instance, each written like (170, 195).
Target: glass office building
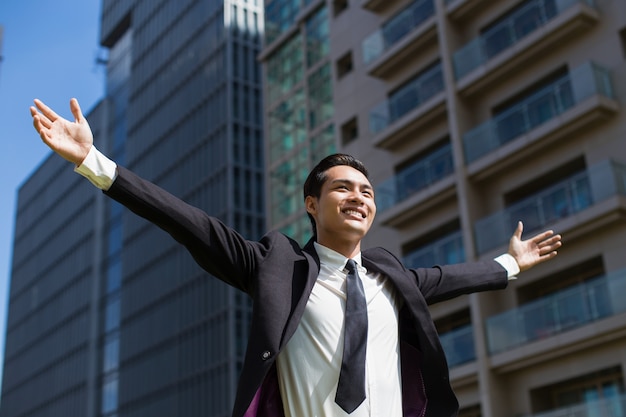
(108, 315)
(299, 126)
(472, 115)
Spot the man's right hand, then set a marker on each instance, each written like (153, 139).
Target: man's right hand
(71, 140)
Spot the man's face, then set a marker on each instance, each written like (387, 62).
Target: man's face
(345, 209)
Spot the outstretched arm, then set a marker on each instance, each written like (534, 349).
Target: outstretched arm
(535, 250)
(71, 140)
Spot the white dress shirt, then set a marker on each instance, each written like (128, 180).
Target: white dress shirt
(308, 367)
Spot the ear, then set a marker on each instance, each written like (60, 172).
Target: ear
(310, 203)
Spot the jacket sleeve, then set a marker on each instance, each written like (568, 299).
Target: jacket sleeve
(448, 281)
(218, 249)
(441, 283)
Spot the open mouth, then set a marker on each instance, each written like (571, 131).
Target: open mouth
(353, 212)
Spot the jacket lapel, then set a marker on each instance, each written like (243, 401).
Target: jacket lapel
(304, 277)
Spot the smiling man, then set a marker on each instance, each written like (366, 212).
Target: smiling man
(336, 330)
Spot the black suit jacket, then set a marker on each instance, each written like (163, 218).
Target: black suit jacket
(278, 275)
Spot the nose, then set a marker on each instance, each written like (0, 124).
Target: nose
(356, 197)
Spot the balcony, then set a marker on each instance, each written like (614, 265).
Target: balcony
(458, 345)
(613, 405)
(557, 313)
(415, 178)
(526, 34)
(571, 197)
(376, 6)
(414, 105)
(459, 9)
(581, 98)
(399, 38)
(445, 251)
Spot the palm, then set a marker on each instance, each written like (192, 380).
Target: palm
(71, 140)
(535, 250)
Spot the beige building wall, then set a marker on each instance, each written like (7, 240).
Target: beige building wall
(571, 363)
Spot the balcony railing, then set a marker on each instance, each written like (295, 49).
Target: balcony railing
(610, 406)
(525, 20)
(561, 200)
(458, 345)
(415, 178)
(447, 250)
(396, 29)
(542, 106)
(572, 307)
(409, 97)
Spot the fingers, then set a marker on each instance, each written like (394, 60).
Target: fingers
(543, 236)
(547, 256)
(75, 108)
(45, 110)
(551, 244)
(519, 230)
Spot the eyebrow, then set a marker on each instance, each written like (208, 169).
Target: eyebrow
(363, 185)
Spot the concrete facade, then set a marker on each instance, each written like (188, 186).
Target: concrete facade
(472, 115)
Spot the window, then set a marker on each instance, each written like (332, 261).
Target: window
(579, 273)
(443, 245)
(109, 394)
(471, 411)
(534, 105)
(344, 65)
(320, 96)
(553, 196)
(349, 131)
(593, 392)
(323, 143)
(555, 176)
(453, 321)
(457, 337)
(339, 6)
(317, 33)
(515, 24)
(424, 169)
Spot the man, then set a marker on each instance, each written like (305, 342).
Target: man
(299, 359)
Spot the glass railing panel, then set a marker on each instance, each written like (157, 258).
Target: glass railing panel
(610, 406)
(523, 21)
(597, 183)
(458, 345)
(540, 107)
(407, 98)
(445, 251)
(415, 178)
(558, 312)
(396, 29)
(559, 201)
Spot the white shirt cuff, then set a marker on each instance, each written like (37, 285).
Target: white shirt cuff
(509, 263)
(98, 169)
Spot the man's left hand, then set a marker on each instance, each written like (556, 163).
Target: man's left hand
(535, 250)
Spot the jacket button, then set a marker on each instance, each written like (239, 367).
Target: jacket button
(266, 355)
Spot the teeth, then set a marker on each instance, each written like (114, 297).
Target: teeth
(353, 212)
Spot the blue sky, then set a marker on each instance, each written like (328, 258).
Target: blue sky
(49, 49)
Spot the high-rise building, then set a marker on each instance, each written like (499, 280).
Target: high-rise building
(298, 105)
(472, 115)
(108, 316)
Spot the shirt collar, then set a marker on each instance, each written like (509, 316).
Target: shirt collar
(332, 258)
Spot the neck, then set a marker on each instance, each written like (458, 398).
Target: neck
(349, 249)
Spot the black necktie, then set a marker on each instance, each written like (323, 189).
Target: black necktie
(351, 385)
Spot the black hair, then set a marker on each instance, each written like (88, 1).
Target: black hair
(317, 177)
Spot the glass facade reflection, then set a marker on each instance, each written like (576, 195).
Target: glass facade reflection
(299, 107)
(51, 363)
(109, 315)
